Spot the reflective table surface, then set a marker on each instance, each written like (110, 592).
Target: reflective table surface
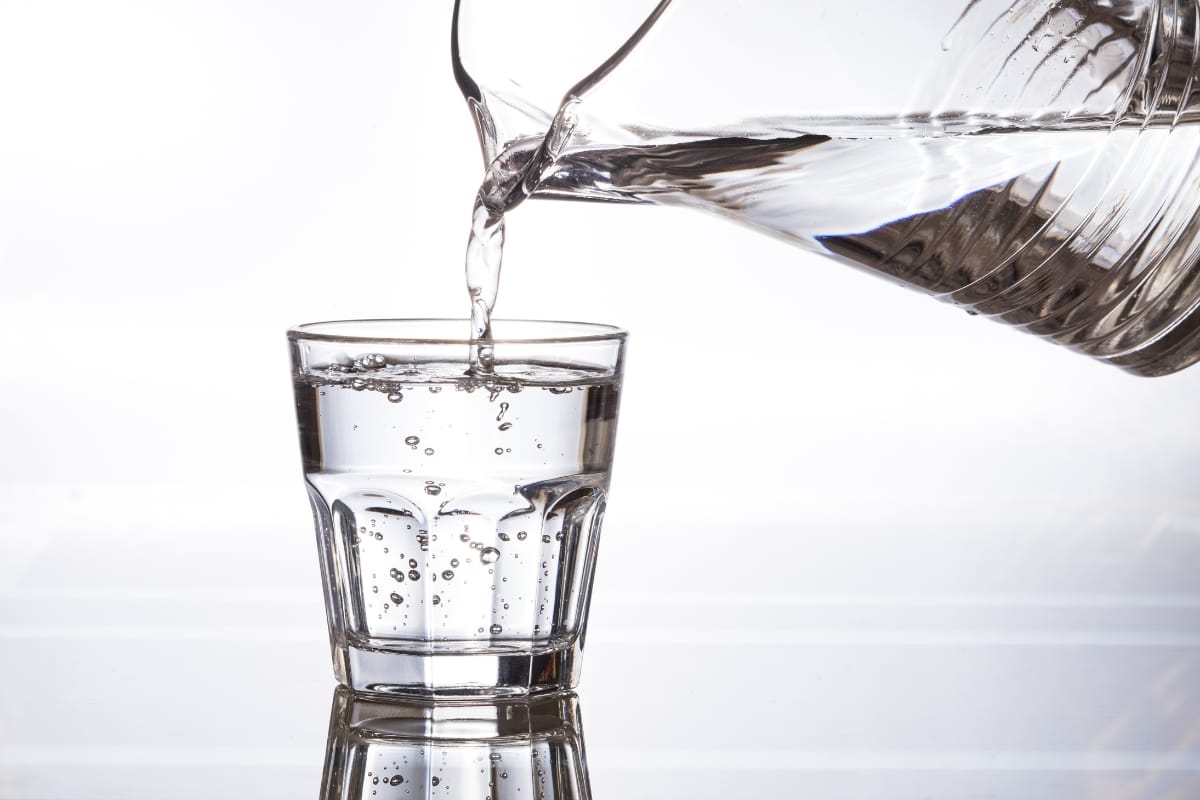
(936, 661)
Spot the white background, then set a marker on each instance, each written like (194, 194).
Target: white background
(180, 181)
(955, 544)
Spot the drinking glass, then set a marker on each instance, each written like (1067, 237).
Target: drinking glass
(457, 510)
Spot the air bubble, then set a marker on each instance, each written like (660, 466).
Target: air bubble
(504, 537)
(435, 780)
(434, 490)
(396, 780)
(447, 574)
(395, 397)
(412, 562)
(412, 441)
(358, 384)
(397, 599)
(428, 451)
(560, 389)
(499, 451)
(505, 426)
(434, 389)
(454, 562)
(495, 629)
(489, 555)
(372, 361)
(437, 600)
(503, 408)
(521, 535)
(413, 575)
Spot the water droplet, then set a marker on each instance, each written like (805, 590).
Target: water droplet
(437, 601)
(454, 562)
(428, 451)
(503, 536)
(505, 426)
(489, 555)
(433, 490)
(395, 397)
(412, 441)
(447, 574)
(397, 599)
(521, 535)
(396, 780)
(413, 575)
(495, 629)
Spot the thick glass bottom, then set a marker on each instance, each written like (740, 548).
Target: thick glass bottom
(449, 675)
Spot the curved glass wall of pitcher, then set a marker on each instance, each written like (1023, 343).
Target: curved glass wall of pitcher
(1041, 168)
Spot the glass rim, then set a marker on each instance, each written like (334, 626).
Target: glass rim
(594, 332)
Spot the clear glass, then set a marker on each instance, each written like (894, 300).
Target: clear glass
(506, 750)
(1037, 162)
(457, 515)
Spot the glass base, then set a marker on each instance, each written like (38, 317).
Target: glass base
(448, 675)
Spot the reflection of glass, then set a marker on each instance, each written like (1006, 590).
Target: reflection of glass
(503, 750)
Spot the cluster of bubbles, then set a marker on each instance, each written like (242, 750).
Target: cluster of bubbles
(487, 553)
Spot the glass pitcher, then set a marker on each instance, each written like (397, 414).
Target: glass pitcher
(1031, 161)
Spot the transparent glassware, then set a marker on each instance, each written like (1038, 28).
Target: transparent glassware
(1034, 162)
(457, 517)
(506, 750)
